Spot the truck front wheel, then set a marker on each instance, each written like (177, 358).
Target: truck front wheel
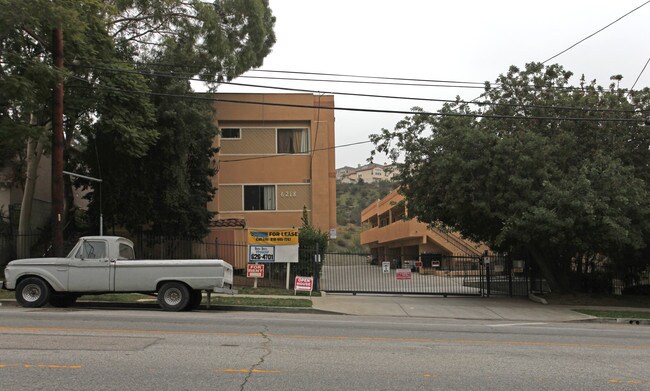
(33, 292)
(173, 296)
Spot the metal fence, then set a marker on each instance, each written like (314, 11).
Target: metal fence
(432, 274)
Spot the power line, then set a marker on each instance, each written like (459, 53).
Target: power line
(591, 35)
(484, 103)
(197, 96)
(640, 73)
(366, 77)
(293, 154)
(159, 64)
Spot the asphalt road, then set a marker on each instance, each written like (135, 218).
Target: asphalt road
(127, 349)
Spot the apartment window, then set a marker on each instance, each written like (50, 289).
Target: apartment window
(259, 197)
(230, 133)
(293, 140)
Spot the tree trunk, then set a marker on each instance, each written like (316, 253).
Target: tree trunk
(35, 150)
(557, 282)
(34, 154)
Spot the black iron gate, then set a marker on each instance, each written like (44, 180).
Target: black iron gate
(431, 274)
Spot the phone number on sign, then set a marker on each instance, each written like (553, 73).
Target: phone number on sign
(262, 257)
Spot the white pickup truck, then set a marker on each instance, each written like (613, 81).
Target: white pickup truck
(102, 264)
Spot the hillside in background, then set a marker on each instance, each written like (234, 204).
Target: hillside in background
(351, 199)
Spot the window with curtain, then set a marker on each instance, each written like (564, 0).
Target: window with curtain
(293, 140)
(259, 197)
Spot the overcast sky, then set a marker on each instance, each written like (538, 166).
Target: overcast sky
(449, 40)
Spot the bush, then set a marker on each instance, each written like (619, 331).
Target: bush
(637, 290)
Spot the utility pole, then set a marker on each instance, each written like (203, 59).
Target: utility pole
(57, 145)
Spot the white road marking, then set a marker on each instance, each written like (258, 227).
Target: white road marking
(515, 324)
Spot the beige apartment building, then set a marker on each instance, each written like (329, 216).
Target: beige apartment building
(275, 158)
(368, 173)
(392, 234)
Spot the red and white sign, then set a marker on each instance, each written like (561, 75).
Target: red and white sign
(255, 270)
(303, 284)
(418, 263)
(403, 274)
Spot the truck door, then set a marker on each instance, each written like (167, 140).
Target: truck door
(89, 267)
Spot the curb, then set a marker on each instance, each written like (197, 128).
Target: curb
(203, 307)
(630, 321)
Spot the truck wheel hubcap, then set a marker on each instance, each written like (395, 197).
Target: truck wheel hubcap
(173, 296)
(31, 292)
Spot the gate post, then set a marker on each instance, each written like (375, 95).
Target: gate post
(487, 274)
(315, 269)
(509, 264)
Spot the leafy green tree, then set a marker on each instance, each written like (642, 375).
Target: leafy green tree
(533, 177)
(119, 124)
(27, 78)
(166, 188)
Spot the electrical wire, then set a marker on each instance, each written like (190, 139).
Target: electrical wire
(292, 154)
(638, 77)
(591, 35)
(483, 103)
(159, 64)
(197, 96)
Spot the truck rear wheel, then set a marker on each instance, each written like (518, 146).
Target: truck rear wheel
(33, 292)
(173, 296)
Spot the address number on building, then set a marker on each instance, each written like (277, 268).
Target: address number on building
(261, 254)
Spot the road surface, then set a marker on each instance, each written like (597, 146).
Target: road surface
(142, 349)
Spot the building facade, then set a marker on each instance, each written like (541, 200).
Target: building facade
(368, 173)
(275, 159)
(392, 234)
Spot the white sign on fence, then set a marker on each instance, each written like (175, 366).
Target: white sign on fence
(261, 253)
(403, 274)
(385, 267)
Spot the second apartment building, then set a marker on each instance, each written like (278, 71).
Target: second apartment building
(275, 158)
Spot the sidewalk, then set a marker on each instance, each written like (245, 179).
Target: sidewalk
(494, 308)
(477, 308)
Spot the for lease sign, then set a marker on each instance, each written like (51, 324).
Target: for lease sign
(273, 245)
(276, 237)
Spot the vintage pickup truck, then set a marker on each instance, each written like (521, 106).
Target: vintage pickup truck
(102, 264)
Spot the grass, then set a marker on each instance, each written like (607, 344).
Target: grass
(578, 299)
(260, 302)
(215, 300)
(272, 291)
(615, 314)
